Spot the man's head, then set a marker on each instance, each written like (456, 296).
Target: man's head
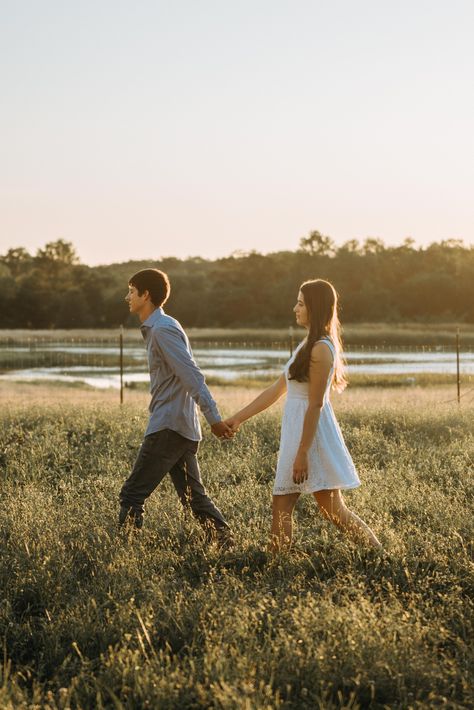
(147, 289)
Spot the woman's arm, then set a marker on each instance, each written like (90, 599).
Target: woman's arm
(264, 400)
(319, 369)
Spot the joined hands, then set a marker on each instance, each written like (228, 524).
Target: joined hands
(233, 423)
(222, 430)
(225, 429)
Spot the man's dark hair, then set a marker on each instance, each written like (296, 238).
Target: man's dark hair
(154, 281)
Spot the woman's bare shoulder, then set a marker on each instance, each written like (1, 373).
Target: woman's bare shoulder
(321, 352)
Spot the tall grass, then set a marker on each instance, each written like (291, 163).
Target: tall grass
(90, 618)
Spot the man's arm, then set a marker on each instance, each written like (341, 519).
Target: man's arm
(172, 345)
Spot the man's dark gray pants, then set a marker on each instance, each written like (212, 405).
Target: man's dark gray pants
(165, 452)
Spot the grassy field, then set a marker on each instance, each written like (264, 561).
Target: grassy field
(92, 619)
(369, 334)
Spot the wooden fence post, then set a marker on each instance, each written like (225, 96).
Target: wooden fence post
(121, 364)
(458, 373)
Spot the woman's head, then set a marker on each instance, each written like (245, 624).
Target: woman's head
(316, 305)
(316, 310)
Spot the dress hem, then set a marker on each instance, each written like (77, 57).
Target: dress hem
(315, 490)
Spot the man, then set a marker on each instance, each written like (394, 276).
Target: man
(173, 433)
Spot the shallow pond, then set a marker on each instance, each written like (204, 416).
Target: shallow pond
(97, 364)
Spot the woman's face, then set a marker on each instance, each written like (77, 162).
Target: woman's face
(301, 311)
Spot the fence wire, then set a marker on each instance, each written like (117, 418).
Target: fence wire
(96, 360)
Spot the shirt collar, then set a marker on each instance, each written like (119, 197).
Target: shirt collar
(152, 318)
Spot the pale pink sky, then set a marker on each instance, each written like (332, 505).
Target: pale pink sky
(141, 130)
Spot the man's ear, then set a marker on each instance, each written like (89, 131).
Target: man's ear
(146, 295)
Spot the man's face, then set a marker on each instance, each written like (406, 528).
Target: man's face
(134, 300)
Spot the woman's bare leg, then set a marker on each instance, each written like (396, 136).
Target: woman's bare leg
(333, 507)
(282, 523)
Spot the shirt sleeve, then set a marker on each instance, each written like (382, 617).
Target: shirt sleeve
(172, 344)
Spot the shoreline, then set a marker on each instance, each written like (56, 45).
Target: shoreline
(395, 334)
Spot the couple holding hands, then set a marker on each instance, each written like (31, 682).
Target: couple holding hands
(313, 457)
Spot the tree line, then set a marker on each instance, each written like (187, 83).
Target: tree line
(376, 282)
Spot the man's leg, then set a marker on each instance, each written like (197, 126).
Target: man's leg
(186, 478)
(158, 454)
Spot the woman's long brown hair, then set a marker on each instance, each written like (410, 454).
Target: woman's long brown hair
(320, 299)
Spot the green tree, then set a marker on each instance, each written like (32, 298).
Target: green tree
(350, 247)
(17, 260)
(375, 282)
(60, 251)
(317, 244)
(373, 245)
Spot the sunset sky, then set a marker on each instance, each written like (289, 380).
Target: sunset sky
(151, 128)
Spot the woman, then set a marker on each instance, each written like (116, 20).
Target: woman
(313, 457)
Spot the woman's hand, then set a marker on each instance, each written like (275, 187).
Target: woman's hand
(300, 467)
(233, 422)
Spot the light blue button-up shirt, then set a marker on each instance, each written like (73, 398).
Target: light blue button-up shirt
(176, 382)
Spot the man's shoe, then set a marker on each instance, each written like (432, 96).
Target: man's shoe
(224, 539)
(130, 518)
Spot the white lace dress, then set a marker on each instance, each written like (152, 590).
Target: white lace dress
(330, 464)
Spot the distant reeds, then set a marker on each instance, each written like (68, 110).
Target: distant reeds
(396, 334)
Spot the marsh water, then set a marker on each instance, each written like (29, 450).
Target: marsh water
(97, 363)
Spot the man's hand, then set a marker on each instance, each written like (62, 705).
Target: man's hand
(222, 430)
(233, 422)
(300, 467)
